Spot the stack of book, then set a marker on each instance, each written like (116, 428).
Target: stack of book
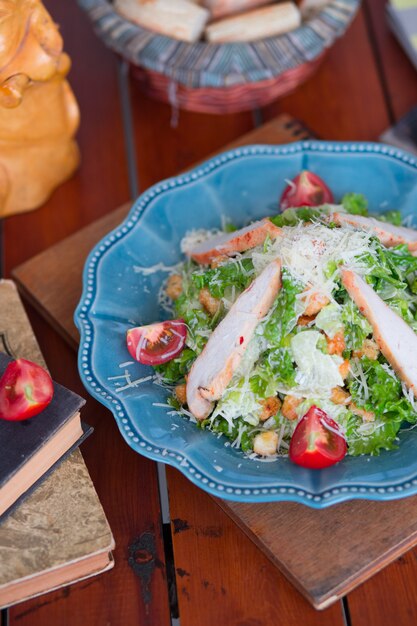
(402, 18)
(53, 530)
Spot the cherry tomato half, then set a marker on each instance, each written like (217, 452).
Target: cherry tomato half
(157, 343)
(307, 189)
(317, 441)
(25, 390)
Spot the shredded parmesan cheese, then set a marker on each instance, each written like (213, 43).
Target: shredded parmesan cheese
(152, 269)
(307, 250)
(357, 372)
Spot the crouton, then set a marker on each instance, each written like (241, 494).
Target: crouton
(270, 406)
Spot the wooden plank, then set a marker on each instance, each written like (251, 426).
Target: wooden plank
(293, 536)
(389, 597)
(398, 74)
(220, 569)
(344, 100)
(135, 591)
(168, 141)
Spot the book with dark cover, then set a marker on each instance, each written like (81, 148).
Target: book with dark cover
(35, 481)
(58, 533)
(20, 441)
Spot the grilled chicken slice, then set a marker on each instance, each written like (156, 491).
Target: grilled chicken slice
(215, 366)
(238, 241)
(388, 234)
(396, 340)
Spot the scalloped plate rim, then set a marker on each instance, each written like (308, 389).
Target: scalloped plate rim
(210, 482)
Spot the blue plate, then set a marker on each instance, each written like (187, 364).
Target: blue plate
(243, 185)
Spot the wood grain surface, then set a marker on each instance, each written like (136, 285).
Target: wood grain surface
(221, 570)
(345, 99)
(363, 84)
(389, 597)
(178, 139)
(368, 536)
(283, 531)
(397, 75)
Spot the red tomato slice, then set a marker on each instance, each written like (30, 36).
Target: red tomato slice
(307, 189)
(25, 390)
(317, 441)
(157, 343)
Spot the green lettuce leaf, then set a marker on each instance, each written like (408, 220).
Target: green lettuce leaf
(392, 217)
(357, 327)
(276, 363)
(292, 217)
(401, 262)
(189, 308)
(370, 437)
(220, 425)
(283, 319)
(236, 273)
(393, 276)
(175, 370)
(329, 319)
(355, 203)
(275, 367)
(384, 398)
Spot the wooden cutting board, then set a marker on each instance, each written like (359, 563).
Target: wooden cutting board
(324, 553)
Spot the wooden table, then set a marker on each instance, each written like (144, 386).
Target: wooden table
(221, 577)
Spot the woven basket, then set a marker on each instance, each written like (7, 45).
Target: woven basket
(221, 78)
